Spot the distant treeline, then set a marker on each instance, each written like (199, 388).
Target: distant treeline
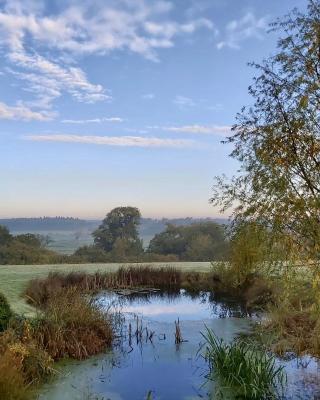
(47, 224)
(148, 226)
(117, 238)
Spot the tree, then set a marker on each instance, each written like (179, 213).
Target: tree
(120, 223)
(277, 139)
(5, 313)
(30, 239)
(23, 249)
(196, 242)
(169, 241)
(5, 236)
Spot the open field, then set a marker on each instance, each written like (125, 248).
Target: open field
(13, 278)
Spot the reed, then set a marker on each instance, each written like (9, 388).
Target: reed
(39, 291)
(178, 335)
(72, 326)
(242, 369)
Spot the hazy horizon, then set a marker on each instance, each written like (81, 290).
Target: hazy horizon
(100, 217)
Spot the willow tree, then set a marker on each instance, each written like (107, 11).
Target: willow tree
(277, 139)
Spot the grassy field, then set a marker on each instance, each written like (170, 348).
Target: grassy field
(13, 278)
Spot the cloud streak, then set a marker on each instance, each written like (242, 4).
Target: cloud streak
(48, 80)
(183, 101)
(90, 121)
(220, 130)
(122, 141)
(23, 113)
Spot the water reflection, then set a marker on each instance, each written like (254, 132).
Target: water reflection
(186, 305)
(146, 359)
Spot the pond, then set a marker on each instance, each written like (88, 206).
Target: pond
(150, 365)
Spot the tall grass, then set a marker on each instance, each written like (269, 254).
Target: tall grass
(242, 369)
(39, 291)
(72, 326)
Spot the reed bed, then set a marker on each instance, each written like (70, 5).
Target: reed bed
(39, 291)
(72, 326)
(242, 370)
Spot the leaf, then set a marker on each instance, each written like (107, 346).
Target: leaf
(304, 101)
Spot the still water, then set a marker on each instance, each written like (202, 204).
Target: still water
(151, 365)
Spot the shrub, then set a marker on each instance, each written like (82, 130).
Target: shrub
(5, 312)
(12, 384)
(33, 362)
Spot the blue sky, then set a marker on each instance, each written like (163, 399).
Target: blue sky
(123, 102)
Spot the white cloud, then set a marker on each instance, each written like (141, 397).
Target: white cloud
(168, 30)
(48, 79)
(220, 130)
(183, 102)
(148, 96)
(124, 141)
(37, 44)
(236, 31)
(21, 112)
(94, 120)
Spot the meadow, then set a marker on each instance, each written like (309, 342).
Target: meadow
(14, 278)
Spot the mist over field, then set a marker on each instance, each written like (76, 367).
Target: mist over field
(65, 235)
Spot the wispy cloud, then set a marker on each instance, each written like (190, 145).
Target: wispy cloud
(236, 31)
(221, 130)
(21, 112)
(94, 120)
(48, 80)
(183, 102)
(148, 96)
(36, 44)
(124, 141)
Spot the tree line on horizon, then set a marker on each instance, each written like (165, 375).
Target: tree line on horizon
(117, 239)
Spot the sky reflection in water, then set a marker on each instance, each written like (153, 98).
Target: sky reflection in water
(169, 371)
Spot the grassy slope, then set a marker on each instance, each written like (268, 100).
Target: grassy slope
(13, 278)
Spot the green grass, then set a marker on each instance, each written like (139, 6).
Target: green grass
(242, 370)
(14, 278)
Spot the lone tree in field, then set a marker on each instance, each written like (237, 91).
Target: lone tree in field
(119, 228)
(277, 139)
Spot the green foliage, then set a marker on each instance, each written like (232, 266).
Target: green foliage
(5, 313)
(30, 239)
(125, 250)
(277, 140)
(242, 369)
(250, 249)
(196, 242)
(120, 223)
(24, 249)
(90, 254)
(5, 236)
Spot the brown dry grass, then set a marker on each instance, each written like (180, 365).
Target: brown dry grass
(39, 291)
(72, 326)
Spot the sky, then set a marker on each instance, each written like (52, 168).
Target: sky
(124, 102)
